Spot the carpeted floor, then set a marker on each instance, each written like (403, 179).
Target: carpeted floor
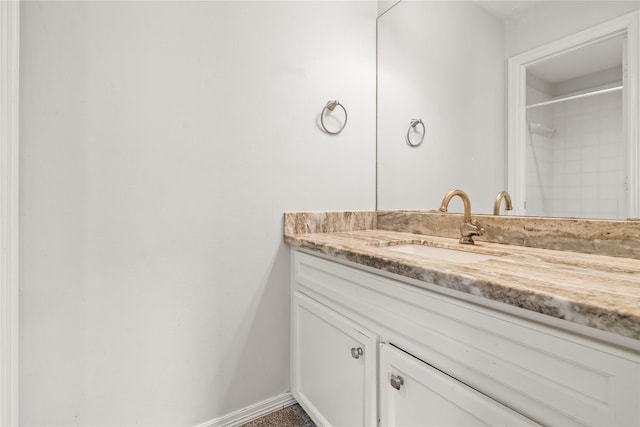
(291, 416)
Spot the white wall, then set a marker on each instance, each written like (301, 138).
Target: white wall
(442, 62)
(160, 144)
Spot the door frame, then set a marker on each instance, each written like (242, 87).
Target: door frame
(9, 209)
(516, 106)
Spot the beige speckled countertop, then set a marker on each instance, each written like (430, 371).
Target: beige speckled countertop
(597, 291)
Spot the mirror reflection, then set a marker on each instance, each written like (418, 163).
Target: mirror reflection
(445, 63)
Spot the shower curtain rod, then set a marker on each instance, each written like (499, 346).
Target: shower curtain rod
(582, 95)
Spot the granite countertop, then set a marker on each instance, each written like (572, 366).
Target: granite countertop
(597, 291)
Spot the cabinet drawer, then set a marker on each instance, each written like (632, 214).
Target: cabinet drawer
(550, 375)
(413, 393)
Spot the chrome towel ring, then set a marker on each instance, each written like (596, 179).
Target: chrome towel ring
(331, 105)
(413, 125)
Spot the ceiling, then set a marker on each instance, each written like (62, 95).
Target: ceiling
(590, 59)
(587, 60)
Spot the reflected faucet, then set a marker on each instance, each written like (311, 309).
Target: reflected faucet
(507, 202)
(470, 227)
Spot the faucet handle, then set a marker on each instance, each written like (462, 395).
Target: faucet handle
(468, 229)
(480, 228)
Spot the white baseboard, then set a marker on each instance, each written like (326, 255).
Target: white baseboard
(252, 412)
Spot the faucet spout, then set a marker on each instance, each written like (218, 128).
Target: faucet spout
(507, 202)
(470, 227)
(465, 201)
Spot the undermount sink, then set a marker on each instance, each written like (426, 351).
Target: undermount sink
(442, 254)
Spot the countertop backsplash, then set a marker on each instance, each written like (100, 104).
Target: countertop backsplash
(591, 236)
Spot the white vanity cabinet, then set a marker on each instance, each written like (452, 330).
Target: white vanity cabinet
(462, 362)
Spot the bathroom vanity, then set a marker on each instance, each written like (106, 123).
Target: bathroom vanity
(386, 333)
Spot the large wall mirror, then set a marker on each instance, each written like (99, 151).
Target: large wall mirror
(533, 97)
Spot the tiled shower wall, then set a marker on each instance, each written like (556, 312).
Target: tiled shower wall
(589, 156)
(540, 174)
(587, 174)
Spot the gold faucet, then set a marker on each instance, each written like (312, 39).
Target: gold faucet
(470, 227)
(507, 201)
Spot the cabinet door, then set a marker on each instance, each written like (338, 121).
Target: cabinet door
(334, 366)
(413, 393)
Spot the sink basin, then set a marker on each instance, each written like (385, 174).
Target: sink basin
(442, 254)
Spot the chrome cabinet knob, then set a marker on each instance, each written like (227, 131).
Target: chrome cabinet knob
(356, 352)
(397, 381)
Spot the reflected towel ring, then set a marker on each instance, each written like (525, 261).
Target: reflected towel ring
(414, 124)
(331, 105)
